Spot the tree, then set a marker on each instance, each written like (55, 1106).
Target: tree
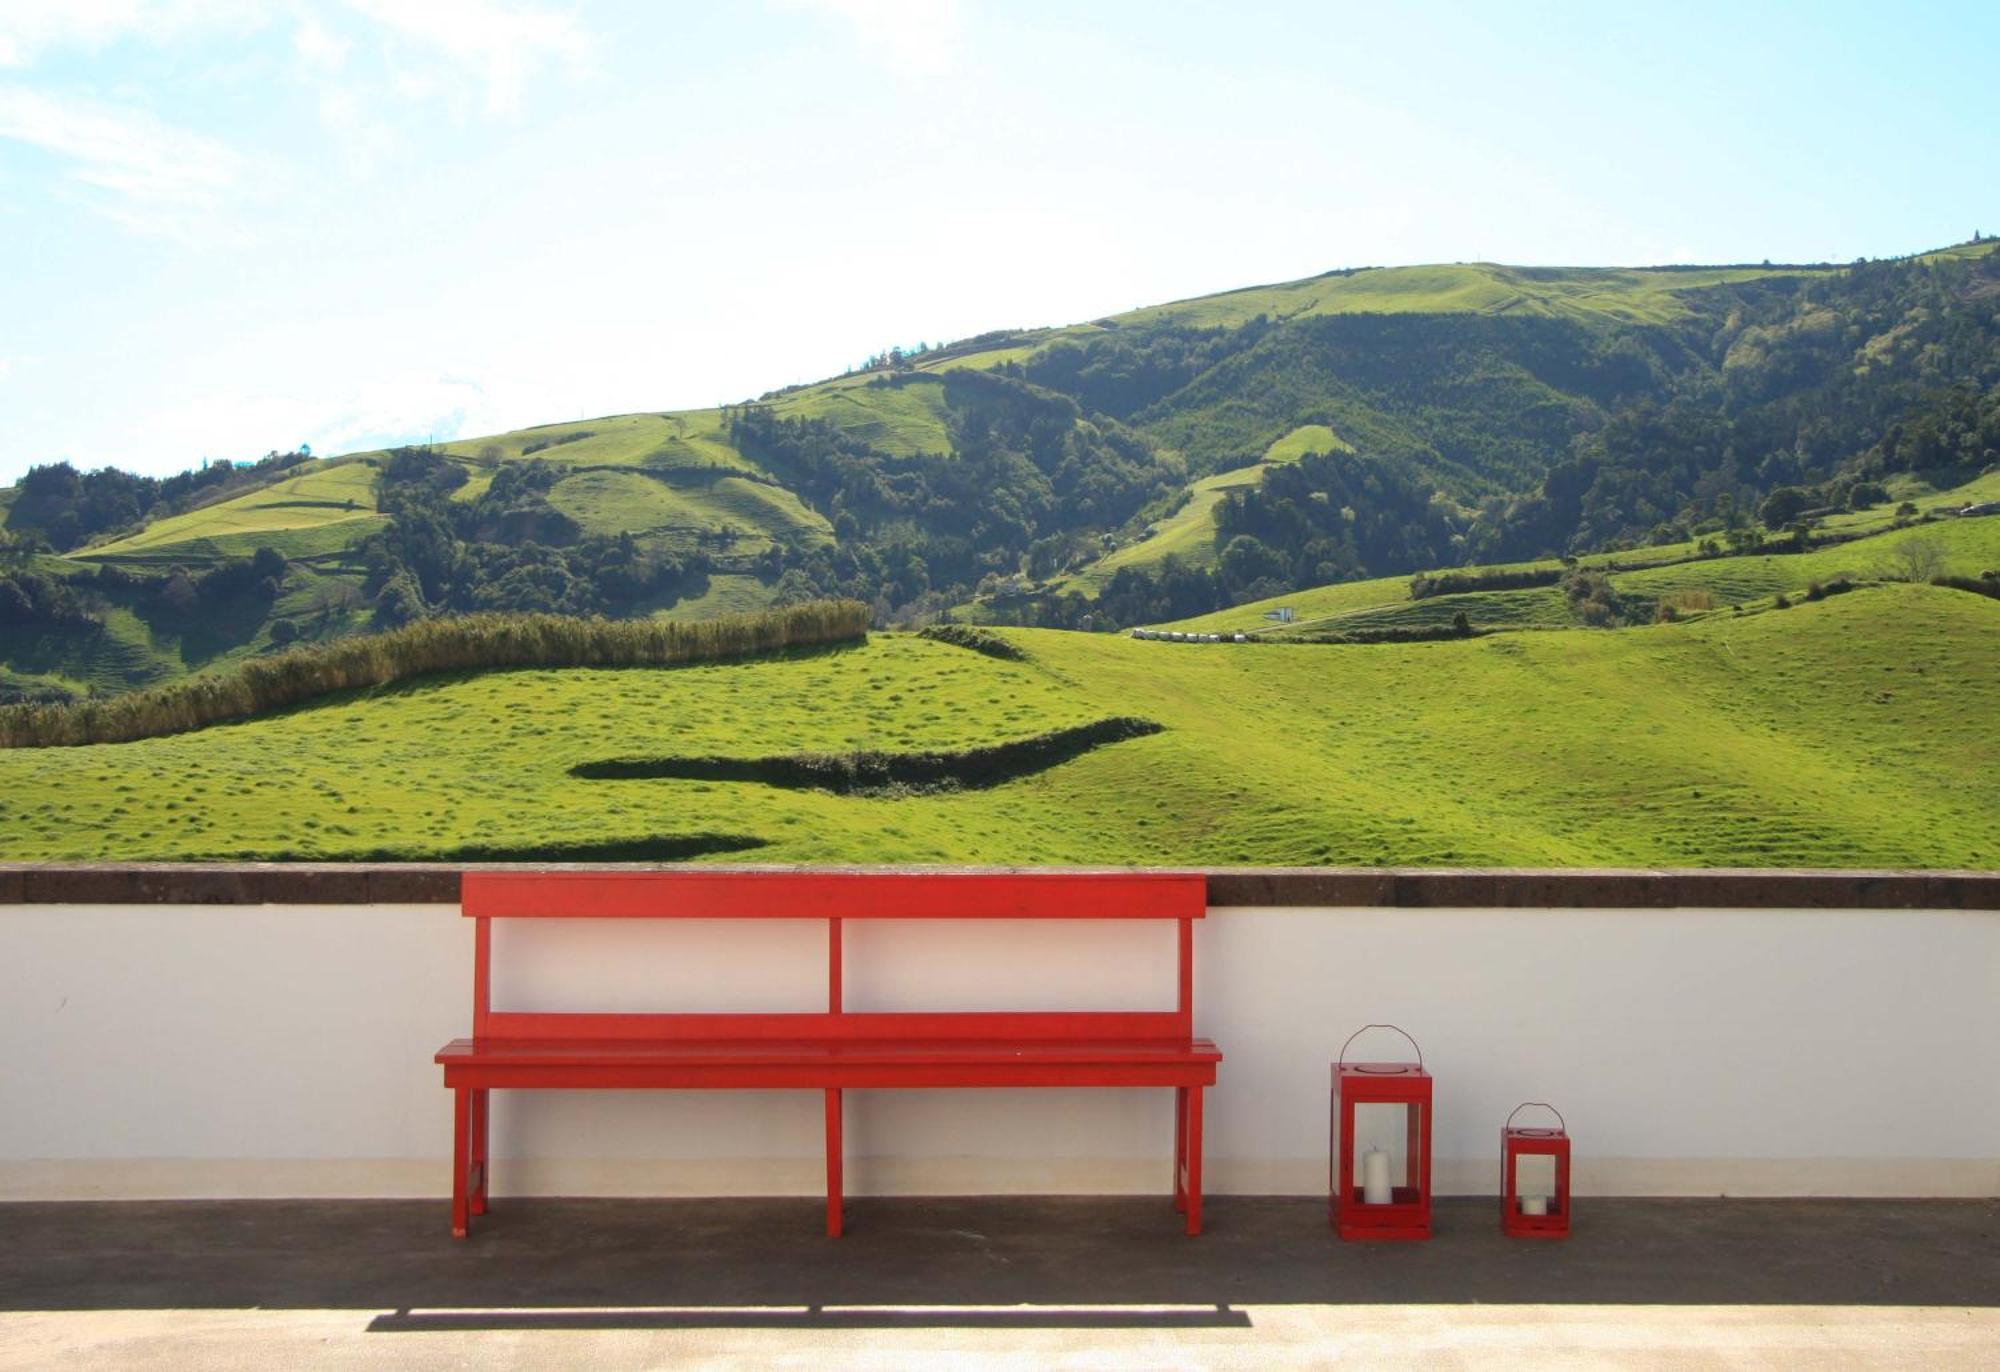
(1246, 559)
(1782, 506)
(1920, 557)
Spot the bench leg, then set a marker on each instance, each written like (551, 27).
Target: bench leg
(833, 1158)
(461, 1158)
(1194, 1160)
(1180, 1147)
(480, 1167)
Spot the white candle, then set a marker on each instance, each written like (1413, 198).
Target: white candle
(1534, 1205)
(1375, 1178)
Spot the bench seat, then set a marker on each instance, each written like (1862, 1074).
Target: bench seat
(853, 1062)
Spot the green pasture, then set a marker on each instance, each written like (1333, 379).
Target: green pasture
(685, 511)
(1628, 296)
(1968, 547)
(328, 507)
(1863, 730)
(727, 593)
(903, 420)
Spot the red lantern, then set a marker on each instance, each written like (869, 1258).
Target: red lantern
(1381, 1122)
(1537, 1208)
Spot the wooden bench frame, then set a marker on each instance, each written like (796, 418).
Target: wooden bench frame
(837, 1049)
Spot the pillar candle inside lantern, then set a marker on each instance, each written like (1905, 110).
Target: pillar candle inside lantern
(1375, 1187)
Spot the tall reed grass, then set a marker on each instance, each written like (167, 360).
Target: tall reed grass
(432, 645)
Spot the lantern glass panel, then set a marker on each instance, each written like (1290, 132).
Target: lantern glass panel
(1535, 1175)
(1389, 1126)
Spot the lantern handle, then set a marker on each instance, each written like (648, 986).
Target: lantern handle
(1527, 1104)
(1365, 1028)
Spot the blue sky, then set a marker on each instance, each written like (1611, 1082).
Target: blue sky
(227, 227)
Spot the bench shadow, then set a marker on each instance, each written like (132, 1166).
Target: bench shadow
(810, 1318)
(974, 1261)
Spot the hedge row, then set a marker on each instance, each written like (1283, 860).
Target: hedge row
(470, 643)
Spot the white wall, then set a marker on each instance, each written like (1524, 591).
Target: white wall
(154, 1051)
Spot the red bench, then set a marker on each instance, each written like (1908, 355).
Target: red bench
(833, 1050)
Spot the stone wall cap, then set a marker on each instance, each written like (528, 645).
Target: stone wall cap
(336, 883)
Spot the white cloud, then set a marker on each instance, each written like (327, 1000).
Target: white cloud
(375, 411)
(159, 178)
(318, 46)
(28, 27)
(501, 45)
(911, 37)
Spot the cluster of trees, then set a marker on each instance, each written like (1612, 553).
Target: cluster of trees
(507, 550)
(1826, 384)
(31, 600)
(1330, 517)
(1028, 482)
(65, 508)
(1121, 373)
(177, 596)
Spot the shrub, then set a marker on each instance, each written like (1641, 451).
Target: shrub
(977, 639)
(1592, 599)
(471, 643)
(1820, 590)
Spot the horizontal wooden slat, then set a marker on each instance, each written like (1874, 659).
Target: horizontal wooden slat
(833, 895)
(1033, 1025)
(1194, 1069)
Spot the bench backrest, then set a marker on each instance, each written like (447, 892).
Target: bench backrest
(834, 897)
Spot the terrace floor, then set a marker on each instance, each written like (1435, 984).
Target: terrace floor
(1085, 1282)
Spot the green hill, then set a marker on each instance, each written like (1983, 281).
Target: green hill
(1355, 426)
(1964, 547)
(1856, 731)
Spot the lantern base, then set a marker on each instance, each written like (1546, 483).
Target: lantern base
(1518, 1226)
(1406, 1217)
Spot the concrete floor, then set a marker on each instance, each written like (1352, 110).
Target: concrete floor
(1085, 1282)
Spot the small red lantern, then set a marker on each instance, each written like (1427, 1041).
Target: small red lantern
(1537, 1208)
(1381, 1181)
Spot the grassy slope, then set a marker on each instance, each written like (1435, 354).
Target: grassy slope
(682, 512)
(1589, 293)
(902, 421)
(1189, 532)
(1857, 731)
(1970, 547)
(320, 510)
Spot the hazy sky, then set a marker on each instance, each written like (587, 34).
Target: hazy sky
(229, 226)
